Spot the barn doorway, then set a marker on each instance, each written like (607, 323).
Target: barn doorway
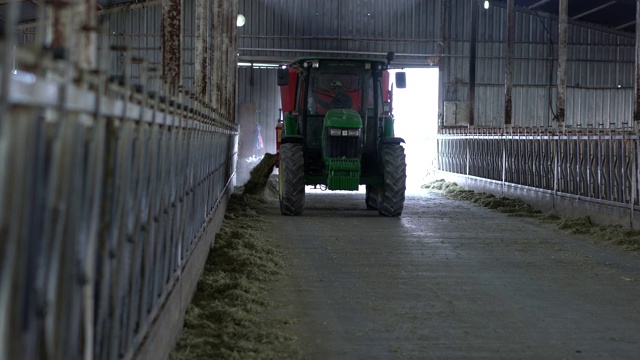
(415, 110)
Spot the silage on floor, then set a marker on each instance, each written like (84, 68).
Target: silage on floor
(226, 319)
(628, 239)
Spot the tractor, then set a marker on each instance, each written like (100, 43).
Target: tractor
(337, 132)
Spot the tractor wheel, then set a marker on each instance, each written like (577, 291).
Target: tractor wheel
(372, 198)
(394, 169)
(291, 179)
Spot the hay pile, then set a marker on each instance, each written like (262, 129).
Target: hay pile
(513, 207)
(227, 318)
(627, 239)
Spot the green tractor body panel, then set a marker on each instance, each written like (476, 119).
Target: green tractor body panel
(290, 124)
(343, 118)
(388, 131)
(343, 174)
(343, 167)
(337, 120)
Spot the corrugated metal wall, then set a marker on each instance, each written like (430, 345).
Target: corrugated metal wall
(280, 30)
(599, 78)
(600, 64)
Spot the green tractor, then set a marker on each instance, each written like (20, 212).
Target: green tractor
(338, 132)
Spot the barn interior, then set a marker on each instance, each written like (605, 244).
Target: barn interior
(126, 125)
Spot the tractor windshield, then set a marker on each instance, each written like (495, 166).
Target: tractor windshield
(334, 91)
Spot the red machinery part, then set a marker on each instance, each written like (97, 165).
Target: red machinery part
(279, 128)
(385, 86)
(288, 92)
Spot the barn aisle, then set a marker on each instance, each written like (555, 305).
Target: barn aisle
(447, 280)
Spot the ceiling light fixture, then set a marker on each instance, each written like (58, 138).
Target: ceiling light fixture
(486, 4)
(240, 20)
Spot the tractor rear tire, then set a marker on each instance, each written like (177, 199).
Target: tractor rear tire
(291, 179)
(372, 198)
(394, 169)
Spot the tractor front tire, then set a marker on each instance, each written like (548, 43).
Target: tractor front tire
(291, 179)
(394, 169)
(372, 198)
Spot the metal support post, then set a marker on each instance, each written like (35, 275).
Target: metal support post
(562, 62)
(7, 58)
(202, 49)
(442, 63)
(172, 45)
(508, 87)
(472, 61)
(636, 88)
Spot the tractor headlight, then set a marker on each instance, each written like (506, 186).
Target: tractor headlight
(352, 132)
(344, 132)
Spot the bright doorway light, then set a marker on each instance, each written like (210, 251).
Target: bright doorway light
(415, 110)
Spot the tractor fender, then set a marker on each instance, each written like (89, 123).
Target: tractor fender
(295, 139)
(392, 140)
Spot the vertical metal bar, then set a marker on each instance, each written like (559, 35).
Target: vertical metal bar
(631, 153)
(120, 241)
(600, 167)
(635, 157)
(154, 218)
(610, 170)
(562, 62)
(555, 141)
(467, 145)
(503, 142)
(472, 61)
(98, 315)
(94, 191)
(508, 78)
(17, 183)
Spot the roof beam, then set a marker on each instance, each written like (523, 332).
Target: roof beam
(620, 27)
(598, 8)
(539, 3)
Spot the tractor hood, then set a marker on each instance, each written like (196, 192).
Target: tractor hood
(341, 118)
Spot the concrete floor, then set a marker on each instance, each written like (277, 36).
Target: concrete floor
(448, 280)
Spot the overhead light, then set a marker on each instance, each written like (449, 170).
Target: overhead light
(486, 4)
(258, 65)
(240, 20)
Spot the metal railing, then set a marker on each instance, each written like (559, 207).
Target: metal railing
(597, 165)
(105, 192)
